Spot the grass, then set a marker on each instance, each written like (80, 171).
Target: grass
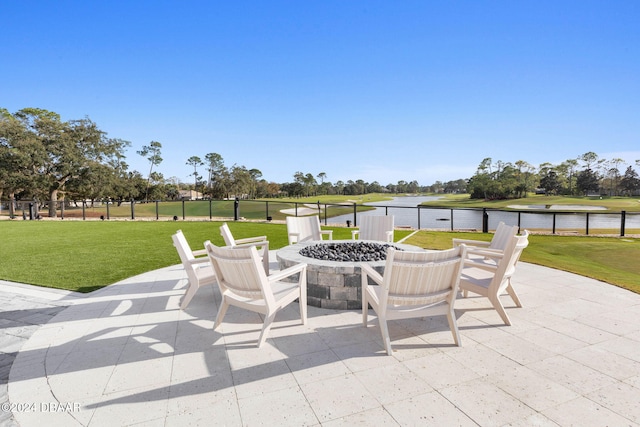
(609, 259)
(250, 209)
(86, 255)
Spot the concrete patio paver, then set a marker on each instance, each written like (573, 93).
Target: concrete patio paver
(127, 355)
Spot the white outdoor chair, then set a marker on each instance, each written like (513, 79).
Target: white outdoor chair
(243, 283)
(375, 227)
(260, 242)
(303, 228)
(414, 284)
(199, 270)
(499, 241)
(492, 279)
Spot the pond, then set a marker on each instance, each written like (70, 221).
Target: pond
(405, 212)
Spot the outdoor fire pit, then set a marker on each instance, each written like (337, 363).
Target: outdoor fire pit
(333, 268)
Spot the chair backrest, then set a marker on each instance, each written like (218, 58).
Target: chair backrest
(507, 264)
(502, 236)
(226, 235)
(420, 278)
(306, 227)
(182, 246)
(186, 255)
(375, 227)
(239, 270)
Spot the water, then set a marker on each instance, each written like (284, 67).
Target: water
(405, 212)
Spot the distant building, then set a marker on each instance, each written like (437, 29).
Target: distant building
(190, 194)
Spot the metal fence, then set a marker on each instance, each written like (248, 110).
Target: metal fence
(339, 214)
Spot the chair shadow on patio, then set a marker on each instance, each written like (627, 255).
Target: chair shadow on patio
(128, 354)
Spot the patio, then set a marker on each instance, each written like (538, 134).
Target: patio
(127, 355)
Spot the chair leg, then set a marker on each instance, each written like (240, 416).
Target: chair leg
(302, 301)
(268, 321)
(188, 295)
(224, 305)
(365, 307)
(451, 317)
(513, 294)
(497, 304)
(384, 330)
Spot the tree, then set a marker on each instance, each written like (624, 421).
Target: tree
(630, 182)
(195, 161)
(151, 152)
(215, 165)
(613, 175)
(525, 173)
(587, 181)
(56, 151)
(568, 168)
(589, 159)
(549, 182)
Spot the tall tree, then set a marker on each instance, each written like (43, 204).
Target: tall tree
(215, 166)
(195, 161)
(568, 169)
(153, 153)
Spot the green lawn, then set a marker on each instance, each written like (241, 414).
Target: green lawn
(87, 255)
(610, 259)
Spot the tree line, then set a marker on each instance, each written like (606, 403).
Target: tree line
(588, 174)
(46, 159)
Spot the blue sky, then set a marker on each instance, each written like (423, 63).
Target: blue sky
(373, 90)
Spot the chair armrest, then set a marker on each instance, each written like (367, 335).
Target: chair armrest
(202, 260)
(480, 265)
(458, 242)
(369, 271)
(328, 233)
(488, 253)
(256, 244)
(290, 271)
(354, 233)
(199, 252)
(252, 239)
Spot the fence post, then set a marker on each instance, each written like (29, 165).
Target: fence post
(183, 209)
(451, 219)
(485, 221)
(210, 209)
(553, 230)
(419, 217)
(355, 223)
(133, 209)
(157, 210)
(108, 203)
(236, 209)
(84, 205)
(587, 230)
(623, 218)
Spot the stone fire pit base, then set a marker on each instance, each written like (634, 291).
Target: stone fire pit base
(332, 284)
